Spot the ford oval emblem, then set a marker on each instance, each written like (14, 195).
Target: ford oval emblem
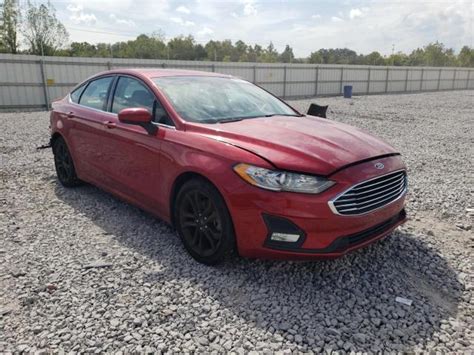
(379, 166)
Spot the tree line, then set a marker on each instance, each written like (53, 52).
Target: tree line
(44, 34)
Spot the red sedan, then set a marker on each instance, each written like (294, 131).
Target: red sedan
(230, 166)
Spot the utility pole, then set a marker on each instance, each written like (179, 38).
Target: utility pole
(393, 52)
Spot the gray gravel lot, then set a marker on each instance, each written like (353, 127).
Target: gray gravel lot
(80, 270)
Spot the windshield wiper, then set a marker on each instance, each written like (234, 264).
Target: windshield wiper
(233, 119)
(282, 114)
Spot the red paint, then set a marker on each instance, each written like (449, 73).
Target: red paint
(134, 115)
(141, 167)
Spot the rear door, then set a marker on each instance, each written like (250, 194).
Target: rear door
(88, 116)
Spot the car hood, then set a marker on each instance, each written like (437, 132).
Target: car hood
(307, 144)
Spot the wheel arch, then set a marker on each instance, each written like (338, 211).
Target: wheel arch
(179, 181)
(55, 137)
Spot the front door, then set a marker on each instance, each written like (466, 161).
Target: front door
(132, 154)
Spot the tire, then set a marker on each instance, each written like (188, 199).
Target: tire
(65, 170)
(203, 222)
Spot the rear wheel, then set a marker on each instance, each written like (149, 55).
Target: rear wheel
(64, 165)
(203, 222)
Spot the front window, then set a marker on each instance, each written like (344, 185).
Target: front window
(131, 93)
(214, 99)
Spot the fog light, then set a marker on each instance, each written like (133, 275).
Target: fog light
(284, 237)
(282, 233)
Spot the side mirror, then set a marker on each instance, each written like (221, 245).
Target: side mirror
(138, 116)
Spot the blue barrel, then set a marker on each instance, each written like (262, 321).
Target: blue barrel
(347, 91)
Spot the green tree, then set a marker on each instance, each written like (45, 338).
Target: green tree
(315, 58)
(287, 55)
(200, 52)
(416, 57)
(82, 49)
(269, 55)
(435, 54)
(397, 59)
(185, 48)
(241, 51)
(9, 23)
(374, 58)
(145, 47)
(211, 49)
(181, 48)
(466, 57)
(253, 53)
(43, 31)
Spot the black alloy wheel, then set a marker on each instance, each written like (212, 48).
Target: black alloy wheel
(203, 222)
(64, 165)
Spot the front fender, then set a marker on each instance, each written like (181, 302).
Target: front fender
(186, 152)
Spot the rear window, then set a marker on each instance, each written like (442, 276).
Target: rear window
(95, 94)
(76, 94)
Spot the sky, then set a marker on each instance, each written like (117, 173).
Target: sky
(306, 25)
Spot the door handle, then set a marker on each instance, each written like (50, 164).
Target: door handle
(70, 114)
(110, 124)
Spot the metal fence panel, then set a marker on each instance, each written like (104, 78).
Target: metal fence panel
(396, 86)
(330, 88)
(377, 87)
(32, 81)
(269, 75)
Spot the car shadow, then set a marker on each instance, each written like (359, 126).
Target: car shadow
(349, 302)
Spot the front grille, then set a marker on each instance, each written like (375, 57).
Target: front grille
(370, 195)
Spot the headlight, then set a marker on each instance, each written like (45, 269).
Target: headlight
(282, 180)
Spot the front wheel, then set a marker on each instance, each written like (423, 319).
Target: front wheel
(203, 222)
(64, 165)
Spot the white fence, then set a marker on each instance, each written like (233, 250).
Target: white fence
(31, 82)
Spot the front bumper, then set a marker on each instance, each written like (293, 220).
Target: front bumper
(324, 233)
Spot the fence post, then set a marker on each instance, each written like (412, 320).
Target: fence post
(284, 81)
(254, 74)
(454, 78)
(386, 80)
(406, 80)
(45, 86)
(368, 81)
(316, 82)
(342, 78)
(439, 79)
(109, 65)
(468, 78)
(213, 67)
(421, 80)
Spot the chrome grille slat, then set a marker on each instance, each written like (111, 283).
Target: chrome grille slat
(372, 202)
(375, 183)
(362, 203)
(394, 183)
(371, 194)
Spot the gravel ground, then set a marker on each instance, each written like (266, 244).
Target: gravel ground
(82, 271)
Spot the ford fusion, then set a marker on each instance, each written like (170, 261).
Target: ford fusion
(230, 166)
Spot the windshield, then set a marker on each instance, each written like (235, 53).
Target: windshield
(214, 99)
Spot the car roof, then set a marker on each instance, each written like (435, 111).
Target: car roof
(161, 72)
